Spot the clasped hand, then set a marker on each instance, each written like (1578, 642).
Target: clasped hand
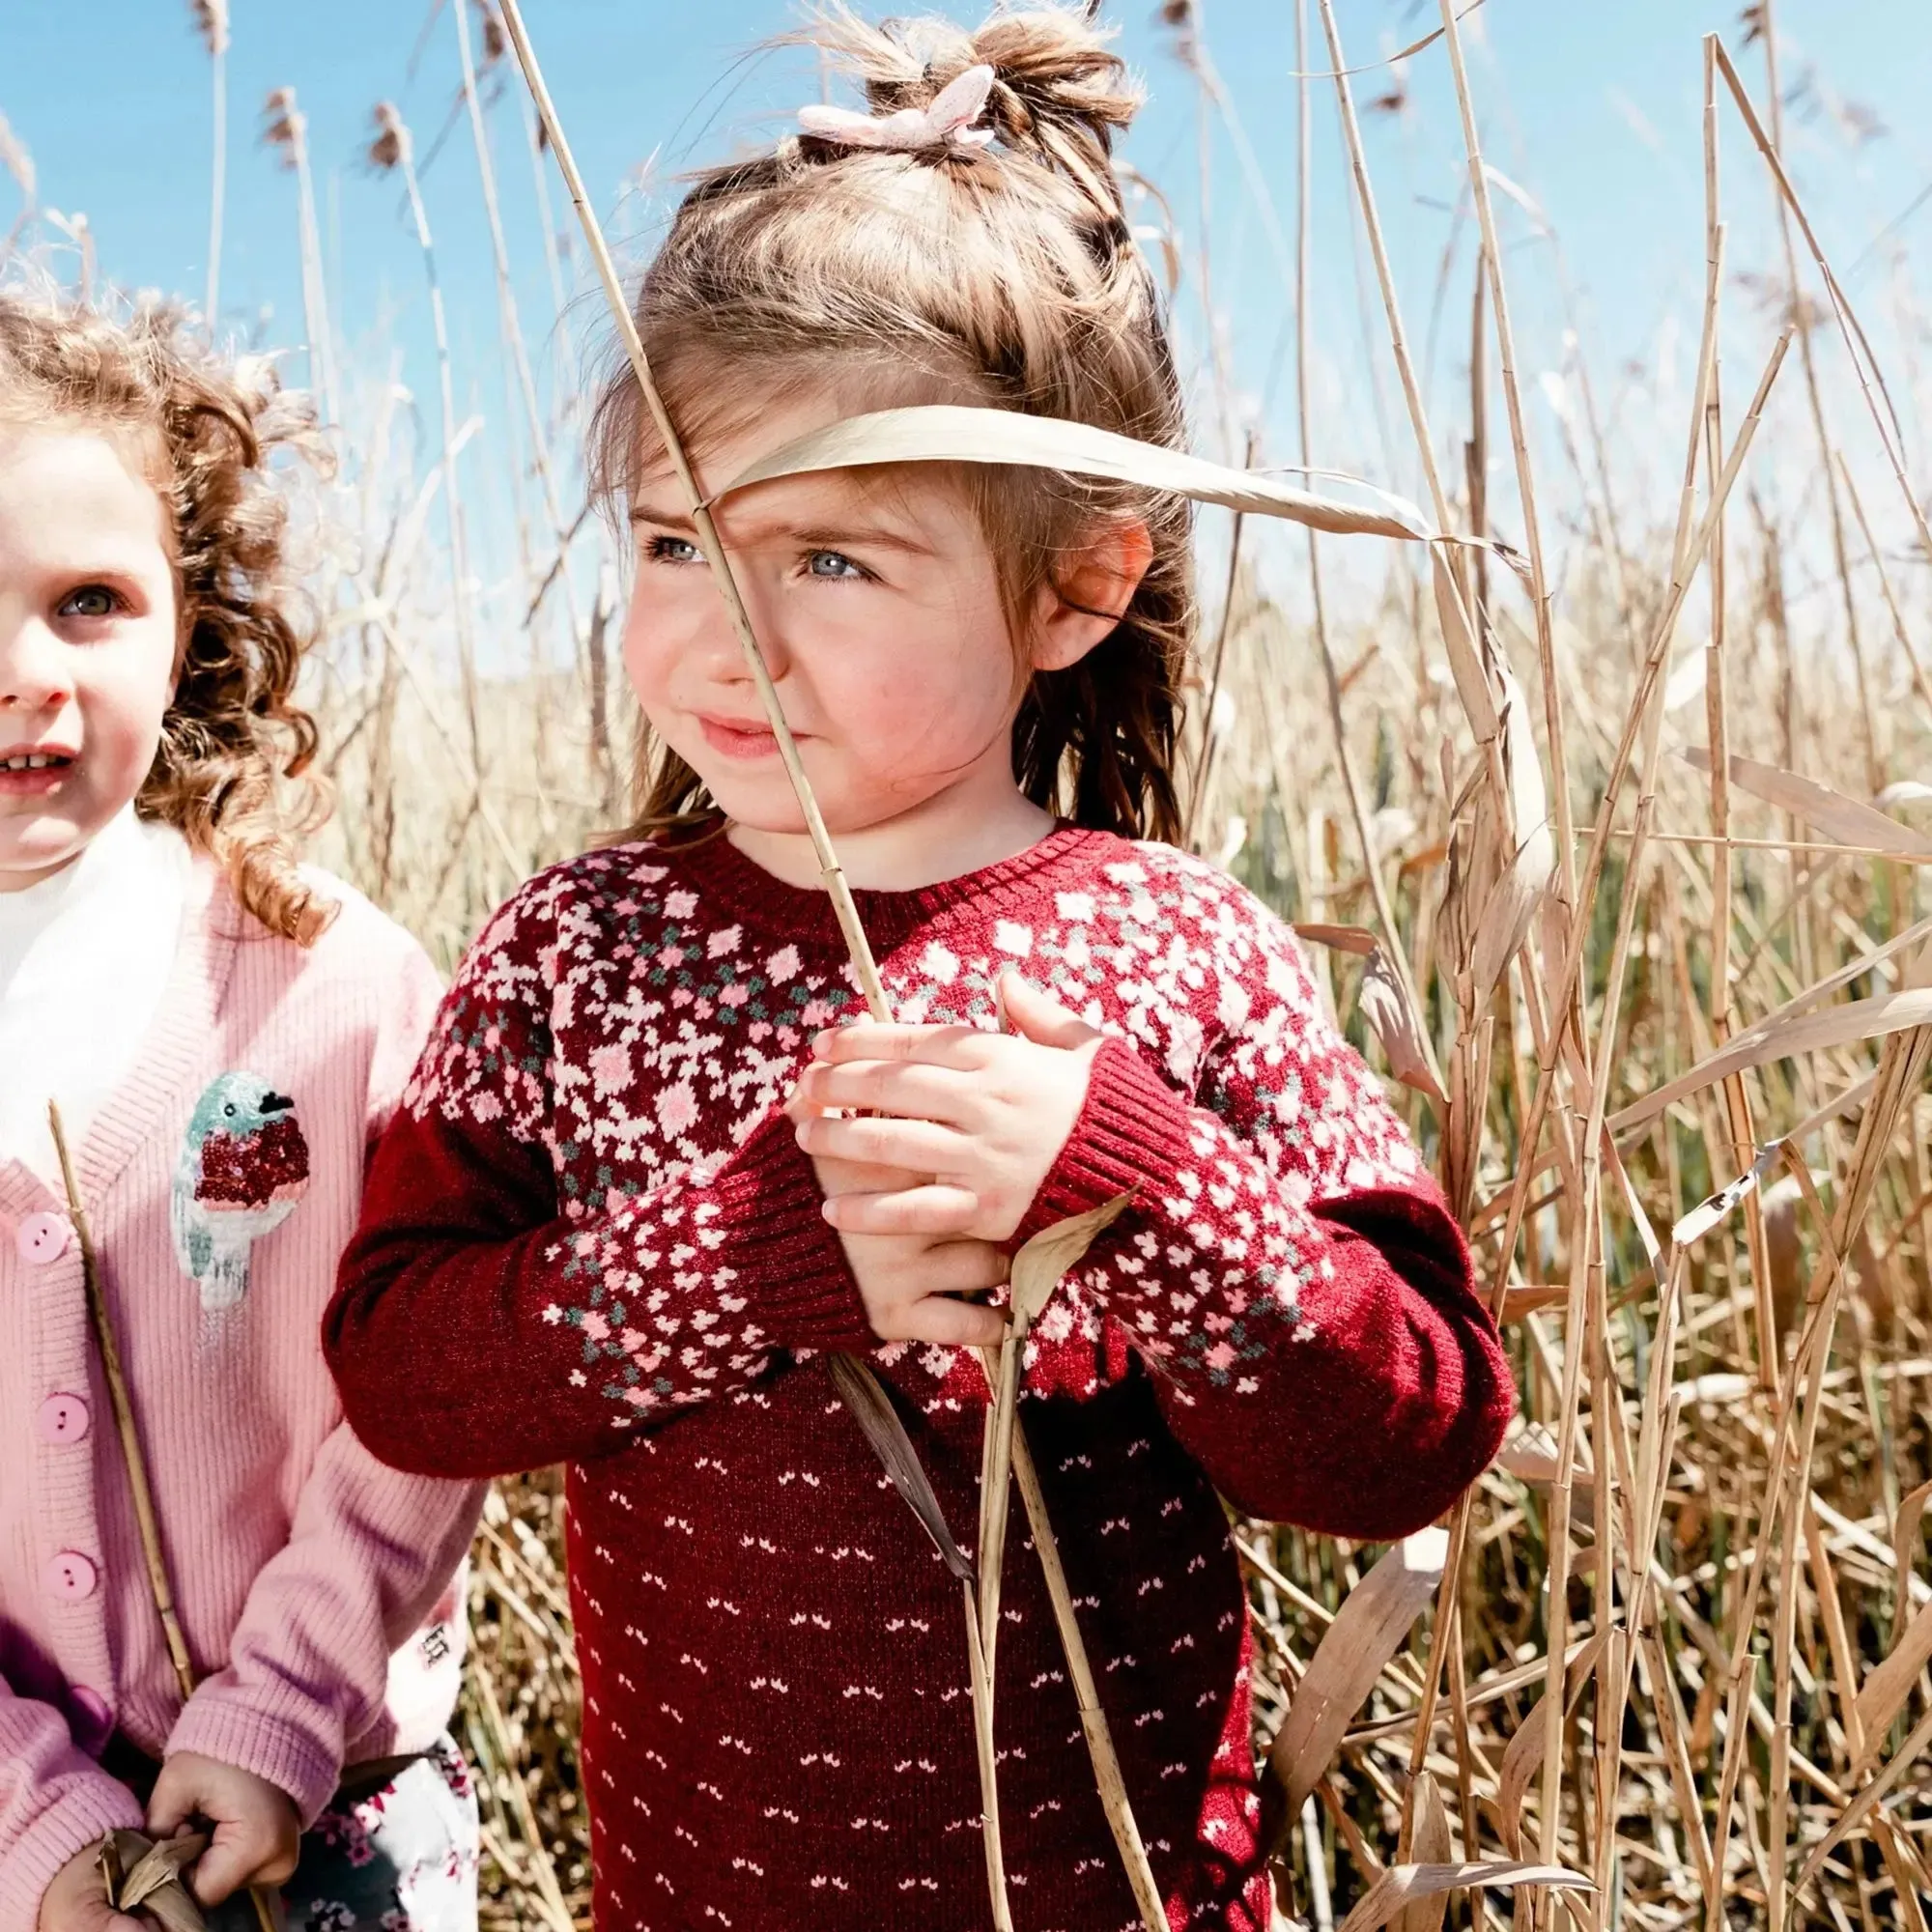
(931, 1143)
(255, 1839)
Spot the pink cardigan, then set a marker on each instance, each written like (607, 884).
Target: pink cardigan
(316, 1587)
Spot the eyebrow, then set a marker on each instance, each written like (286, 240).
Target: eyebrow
(810, 536)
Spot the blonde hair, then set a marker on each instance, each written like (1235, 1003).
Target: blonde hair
(233, 733)
(1005, 277)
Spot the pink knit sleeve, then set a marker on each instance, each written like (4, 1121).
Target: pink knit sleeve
(369, 1553)
(55, 1801)
(309, 1665)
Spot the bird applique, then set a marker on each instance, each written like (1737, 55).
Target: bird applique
(243, 1166)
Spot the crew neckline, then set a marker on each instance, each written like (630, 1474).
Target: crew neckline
(804, 913)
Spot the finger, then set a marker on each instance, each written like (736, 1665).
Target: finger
(223, 1869)
(952, 1324)
(908, 1091)
(935, 1210)
(959, 1046)
(863, 1177)
(174, 1803)
(1036, 1016)
(965, 1267)
(919, 1145)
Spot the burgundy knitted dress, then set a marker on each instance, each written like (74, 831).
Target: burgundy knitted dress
(590, 1238)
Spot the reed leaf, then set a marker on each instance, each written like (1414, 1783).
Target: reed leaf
(859, 1389)
(1370, 1628)
(1397, 1889)
(1842, 818)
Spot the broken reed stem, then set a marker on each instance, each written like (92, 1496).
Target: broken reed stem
(139, 1489)
(1099, 1739)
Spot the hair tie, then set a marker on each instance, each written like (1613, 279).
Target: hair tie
(945, 122)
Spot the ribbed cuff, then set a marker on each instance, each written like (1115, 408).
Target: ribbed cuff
(788, 1255)
(227, 1724)
(86, 1811)
(1131, 1133)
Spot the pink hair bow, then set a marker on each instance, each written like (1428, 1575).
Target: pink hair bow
(945, 122)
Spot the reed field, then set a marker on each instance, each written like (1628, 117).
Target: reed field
(1607, 840)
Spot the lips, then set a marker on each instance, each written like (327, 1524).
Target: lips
(32, 770)
(739, 739)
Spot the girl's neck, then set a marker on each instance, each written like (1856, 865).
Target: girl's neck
(979, 822)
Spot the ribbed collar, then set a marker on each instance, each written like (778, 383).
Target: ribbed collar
(804, 914)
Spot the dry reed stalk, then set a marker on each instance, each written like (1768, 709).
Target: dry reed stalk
(287, 128)
(512, 331)
(134, 1460)
(1371, 870)
(394, 147)
(211, 19)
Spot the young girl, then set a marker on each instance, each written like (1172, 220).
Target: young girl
(656, 1162)
(224, 1036)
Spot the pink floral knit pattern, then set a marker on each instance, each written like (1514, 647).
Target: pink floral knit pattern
(592, 1237)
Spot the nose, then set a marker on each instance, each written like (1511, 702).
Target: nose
(34, 670)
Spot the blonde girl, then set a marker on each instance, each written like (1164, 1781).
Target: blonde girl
(224, 1035)
(656, 1161)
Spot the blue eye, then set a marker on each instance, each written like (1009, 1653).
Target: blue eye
(89, 600)
(672, 550)
(833, 564)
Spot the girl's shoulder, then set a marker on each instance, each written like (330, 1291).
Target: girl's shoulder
(582, 892)
(360, 946)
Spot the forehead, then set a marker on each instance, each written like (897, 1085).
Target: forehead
(67, 485)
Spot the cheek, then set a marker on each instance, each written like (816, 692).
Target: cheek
(126, 689)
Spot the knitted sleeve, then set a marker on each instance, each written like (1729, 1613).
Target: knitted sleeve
(1288, 1270)
(55, 1803)
(321, 1643)
(481, 1325)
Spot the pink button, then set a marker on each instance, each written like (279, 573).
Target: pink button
(89, 1717)
(42, 1238)
(71, 1576)
(64, 1418)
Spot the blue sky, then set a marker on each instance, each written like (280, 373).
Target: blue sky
(1592, 111)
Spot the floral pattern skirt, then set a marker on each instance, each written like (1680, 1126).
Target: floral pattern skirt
(401, 1860)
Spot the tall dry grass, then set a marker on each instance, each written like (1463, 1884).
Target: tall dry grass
(1662, 1023)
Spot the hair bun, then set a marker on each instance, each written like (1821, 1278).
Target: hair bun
(1060, 91)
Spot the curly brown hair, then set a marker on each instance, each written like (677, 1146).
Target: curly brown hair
(1006, 277)
(233, 738)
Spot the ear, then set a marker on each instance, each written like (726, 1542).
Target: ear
(1089, 594)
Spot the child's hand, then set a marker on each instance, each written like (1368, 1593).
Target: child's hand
(979, 1117)
(910, 1284)
(75, 1900)
(257, 1834)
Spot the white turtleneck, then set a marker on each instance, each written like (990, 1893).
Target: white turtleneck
(85, 959)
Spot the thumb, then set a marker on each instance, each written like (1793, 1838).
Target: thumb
(173, 1802)
(1035, 1015)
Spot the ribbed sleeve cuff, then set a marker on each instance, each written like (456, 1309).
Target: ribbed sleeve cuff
(786, 1253)
(227, 1724)
(86, 1811)
(1131, 1133)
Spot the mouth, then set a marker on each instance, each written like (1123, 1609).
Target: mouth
(26, 773)
(739, 740)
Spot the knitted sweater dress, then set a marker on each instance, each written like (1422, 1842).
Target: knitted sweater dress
(590, 1238)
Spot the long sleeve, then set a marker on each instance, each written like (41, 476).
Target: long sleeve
(1288, 1270)
(481, 1327)
(55, 1801)
(369, 1553)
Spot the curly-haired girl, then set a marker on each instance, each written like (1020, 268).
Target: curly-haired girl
(648, 1174)
(223, 1033)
